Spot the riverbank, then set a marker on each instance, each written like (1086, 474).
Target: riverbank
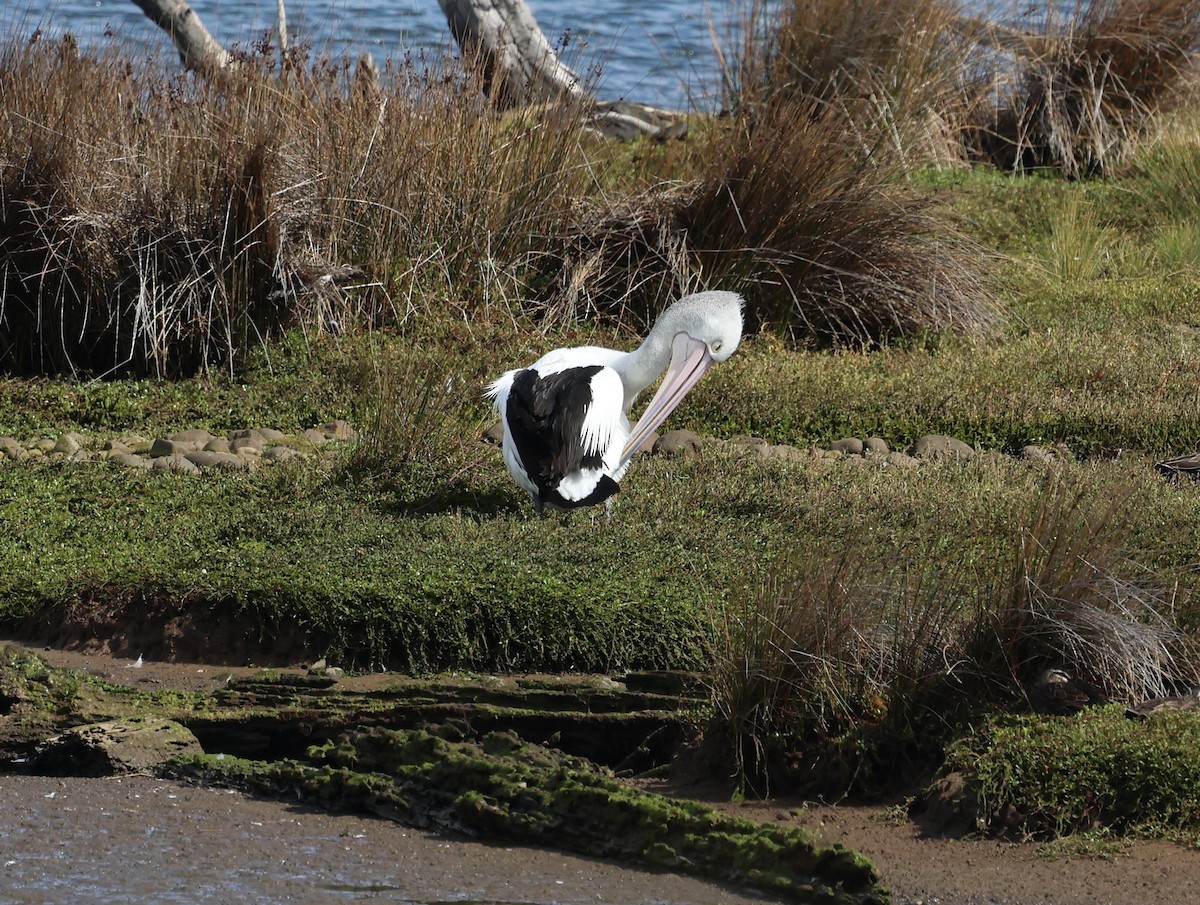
(366, 858)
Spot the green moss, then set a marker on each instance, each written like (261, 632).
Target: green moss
(507, 789)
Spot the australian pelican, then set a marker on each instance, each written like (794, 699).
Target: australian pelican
(567, 438)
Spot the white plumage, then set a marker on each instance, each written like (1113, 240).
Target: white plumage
(567, 436)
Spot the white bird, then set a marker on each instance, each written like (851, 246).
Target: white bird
(567, 438)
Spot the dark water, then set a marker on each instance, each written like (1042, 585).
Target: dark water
(651, 51)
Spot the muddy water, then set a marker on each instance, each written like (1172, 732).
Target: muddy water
(143, 840)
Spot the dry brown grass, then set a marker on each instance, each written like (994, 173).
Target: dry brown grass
(823, 241)
(1076, 94)
(157, 224)
(899, 72)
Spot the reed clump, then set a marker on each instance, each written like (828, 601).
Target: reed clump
(843, 676)
(156, 224)
(1076, 93)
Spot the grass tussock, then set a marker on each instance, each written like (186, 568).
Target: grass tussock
(824, 242)
(156, 224)
(840, 675)
(1076, 95)
(897, 72)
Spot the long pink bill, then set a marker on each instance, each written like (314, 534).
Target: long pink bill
(690, 358)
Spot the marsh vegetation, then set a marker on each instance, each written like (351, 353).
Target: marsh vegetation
(927, 246)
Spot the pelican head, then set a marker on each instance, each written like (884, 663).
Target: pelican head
(698, 330)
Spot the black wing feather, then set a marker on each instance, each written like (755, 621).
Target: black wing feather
(545, 420)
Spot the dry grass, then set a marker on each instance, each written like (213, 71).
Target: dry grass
(898, 71)
(823, 242)
(162, 225)
(835, 656)
(1076, 95)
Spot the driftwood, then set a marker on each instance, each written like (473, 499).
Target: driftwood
(199, 50)
(520, 68)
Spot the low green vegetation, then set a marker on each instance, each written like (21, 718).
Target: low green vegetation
(1097, 772)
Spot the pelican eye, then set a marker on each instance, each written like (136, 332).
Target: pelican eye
(716, 347)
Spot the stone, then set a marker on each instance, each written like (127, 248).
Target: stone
(7, 443)
(115, 446)
(174, 463)
(678, 443)
(241, 443)
(338, 430)
(223, 461)
(494, 434)
(900, 460)
(1035, 453)
(164, 447)
(115, 747)
(246, 434)
(217, 444)
(848, 446)
(43, 445)
(128, 460)
(783, 453)
(199, 436)
(67, 444)
(939, 446)
(876, 446)
(81, 455)
(743, 444)
(281, 454)
(314, 436)
(270, 435)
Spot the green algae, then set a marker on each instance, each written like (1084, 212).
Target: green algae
(502, 787)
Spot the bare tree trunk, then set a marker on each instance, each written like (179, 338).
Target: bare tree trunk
(198, 50)
(283, 37)
(520, 66)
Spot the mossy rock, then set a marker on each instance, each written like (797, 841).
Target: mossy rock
(504, 788)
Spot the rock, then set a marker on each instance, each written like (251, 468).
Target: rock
(314, 436)
(783, 453)
(81, 455)
(270, 435)
(338, 430)
(744, 445)
(246, 434)
(133, 745)
(128, 460)
(901, 460)
(164, 447)
(174, 463)
(1034, 453)
(494, 434)
(223, 461)
(114, 446)
(876, 446)
(938, 446)
(247, 443)
(678, 443)
(7, 443)
(67, 444)
(42, 445)
(217, 444)
(281, 454)
(848, 446)
(199, 436)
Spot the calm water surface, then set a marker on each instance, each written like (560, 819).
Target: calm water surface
(652, 51)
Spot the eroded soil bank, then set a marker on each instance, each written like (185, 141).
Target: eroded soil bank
(913, 861)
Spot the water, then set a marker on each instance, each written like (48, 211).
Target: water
(656, 52)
